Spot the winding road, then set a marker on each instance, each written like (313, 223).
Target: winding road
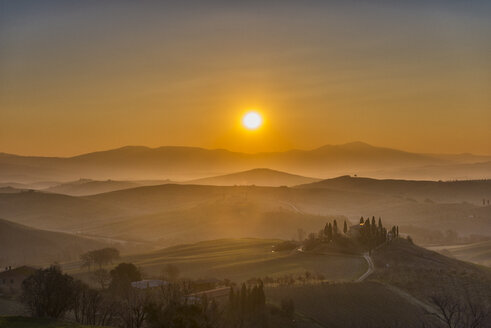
(370, 267)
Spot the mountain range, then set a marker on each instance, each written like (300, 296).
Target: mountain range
(190, 163)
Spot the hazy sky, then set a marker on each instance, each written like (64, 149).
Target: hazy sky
(79, 76)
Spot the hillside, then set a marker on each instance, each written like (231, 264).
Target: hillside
(23, 245)
(242, 259)
(423, 273)
(56, 212)
(334, 305)
(87, 187)
(430, 191)
(182, 213)
(185, 163)
(479, 253)
(257, 177)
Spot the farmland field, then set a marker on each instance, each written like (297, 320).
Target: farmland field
(331, 305)
(241, 259)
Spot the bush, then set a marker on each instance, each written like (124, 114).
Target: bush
(48, 293)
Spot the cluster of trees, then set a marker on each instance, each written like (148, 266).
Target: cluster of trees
(462, 312)
(332, 232)
(99, 257)
(373, 234)
(50, 293)
(289, 279)
(247, 307)
(368, 234)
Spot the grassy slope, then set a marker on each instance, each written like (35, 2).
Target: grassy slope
(445, 192)
(367, 304)
(479, 253)
(424, 273)
(241, 259)
(24, 322)
(24, 245)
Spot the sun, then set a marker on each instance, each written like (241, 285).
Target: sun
(252, 120)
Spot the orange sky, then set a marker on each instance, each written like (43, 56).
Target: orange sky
(77, 77)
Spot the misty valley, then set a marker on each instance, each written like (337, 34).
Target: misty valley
(255, 248)
(245, 164)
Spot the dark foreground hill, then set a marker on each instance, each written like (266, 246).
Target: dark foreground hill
(398, 293)
(424, 273)
(23, 245)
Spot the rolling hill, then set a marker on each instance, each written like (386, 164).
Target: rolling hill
(257, 177)
(424, 273)
(479, 253)
(23, 245)
(473, 191)
(170, 214)
(242, 259)
(54, 211)
(185, 163)
(86, 187)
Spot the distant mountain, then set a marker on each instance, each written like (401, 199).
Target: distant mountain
(257, 177)
(20, 245)
(85, 187)
(186, 163)
(9, 190)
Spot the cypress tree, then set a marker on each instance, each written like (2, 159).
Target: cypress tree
(326, 231)
(362, 220)
(335, 228)
(262, 296)
(243, 298)
(231, 297)
(345, 228)
(329, 232)
(380, 223)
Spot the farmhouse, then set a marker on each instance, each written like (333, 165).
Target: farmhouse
(11, 279)
(144, 284)
(216, 294)
(354, 230)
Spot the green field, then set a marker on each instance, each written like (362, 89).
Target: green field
(24, 322)
(241, 259)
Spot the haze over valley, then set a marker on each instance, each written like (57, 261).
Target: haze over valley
(260, 164)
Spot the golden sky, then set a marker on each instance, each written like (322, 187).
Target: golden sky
(80, 76)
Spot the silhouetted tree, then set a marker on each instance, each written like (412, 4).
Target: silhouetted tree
(170, 272)
(345, 228)
(329, 232)
(48, 292)
(122, 276)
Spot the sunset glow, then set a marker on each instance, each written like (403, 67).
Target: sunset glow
(252, 120)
